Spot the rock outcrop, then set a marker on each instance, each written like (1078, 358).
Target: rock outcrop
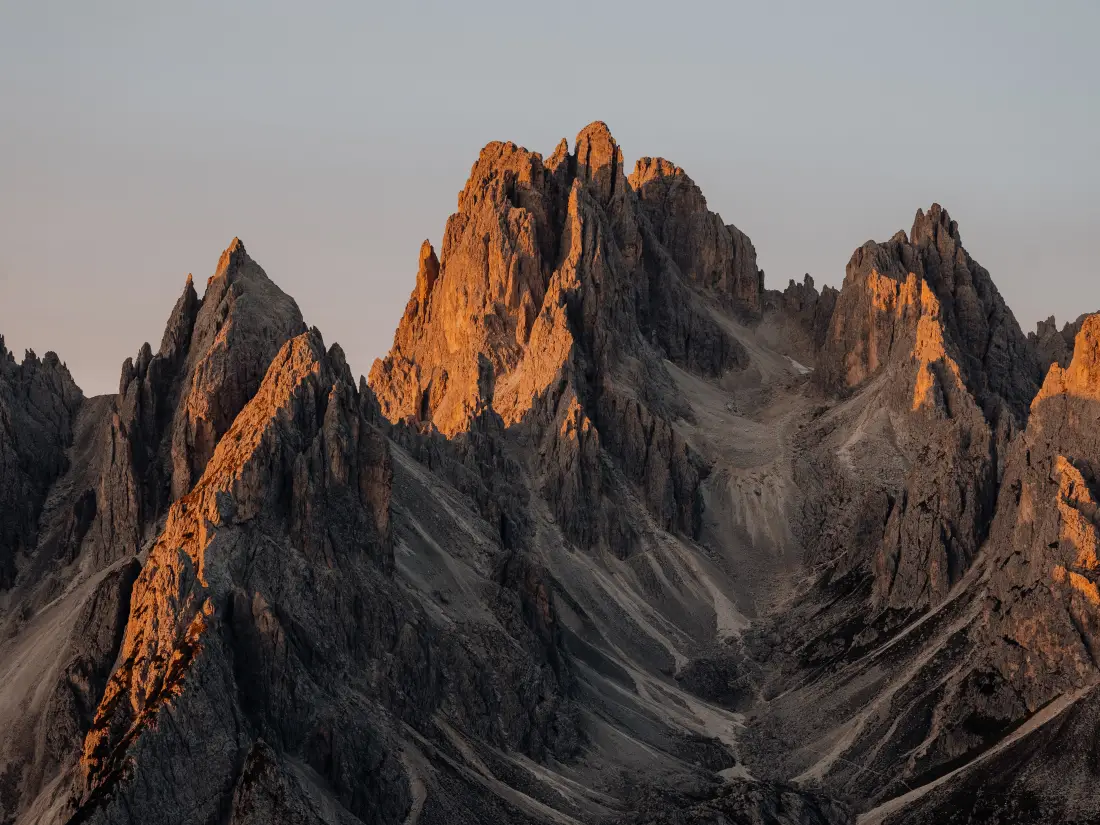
(801, 315)
(889, 286)
(174, 405)
(266, 632)
(1053, 345)
(38, 406)
(713, 255)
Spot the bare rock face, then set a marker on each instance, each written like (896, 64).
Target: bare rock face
(1053, 345)
(1046, 534)
(38, 406)
(714, 255)
(884, 280)
(268, 648)
(243, 321)
(174, 405)
(921, 326)
(43, 736)
(992, 685)
(1027, 646)
(803, 315)
(299, 461)
(555, 276)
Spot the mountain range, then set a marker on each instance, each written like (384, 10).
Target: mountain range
(615, 533)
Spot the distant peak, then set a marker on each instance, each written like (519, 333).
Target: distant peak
(559, 156)
(232, 258)
(932, 225)
(597, 129)
(1082, 377)
(595, 143)
(599, 159)
(657, 167)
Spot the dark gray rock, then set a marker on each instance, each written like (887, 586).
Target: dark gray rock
(38, 406)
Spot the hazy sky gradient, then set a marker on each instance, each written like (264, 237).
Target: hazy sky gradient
(136, 139)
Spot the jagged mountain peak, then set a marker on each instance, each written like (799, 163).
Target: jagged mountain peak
(530, 237)
(1081, 378)
(181, 321)
(599, 161)
(559, 156)
(632, 542)
(929, 226)
(241, 322)
(232, 259)
(872, 323)
(1053, 345)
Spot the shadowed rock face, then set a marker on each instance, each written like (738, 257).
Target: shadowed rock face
(711, 254)
(963, 682)
(38, 405)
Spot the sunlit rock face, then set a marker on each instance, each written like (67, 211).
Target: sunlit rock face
(1046, 531)
(889, 286)
(556, 296)
(541, 255)
(919, 327)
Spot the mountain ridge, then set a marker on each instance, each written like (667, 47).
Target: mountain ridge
(614, 533)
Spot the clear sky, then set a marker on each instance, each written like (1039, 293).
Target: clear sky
(136, 139)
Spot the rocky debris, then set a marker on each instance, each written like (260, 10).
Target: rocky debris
(38, 406)
(45, 739)
(1045, 774)
(740, 802)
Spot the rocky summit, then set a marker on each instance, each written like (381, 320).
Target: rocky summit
(614, 533)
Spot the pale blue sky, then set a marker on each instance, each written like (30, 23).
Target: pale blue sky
(136, 139)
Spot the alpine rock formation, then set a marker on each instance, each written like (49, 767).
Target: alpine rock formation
(613, 534)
